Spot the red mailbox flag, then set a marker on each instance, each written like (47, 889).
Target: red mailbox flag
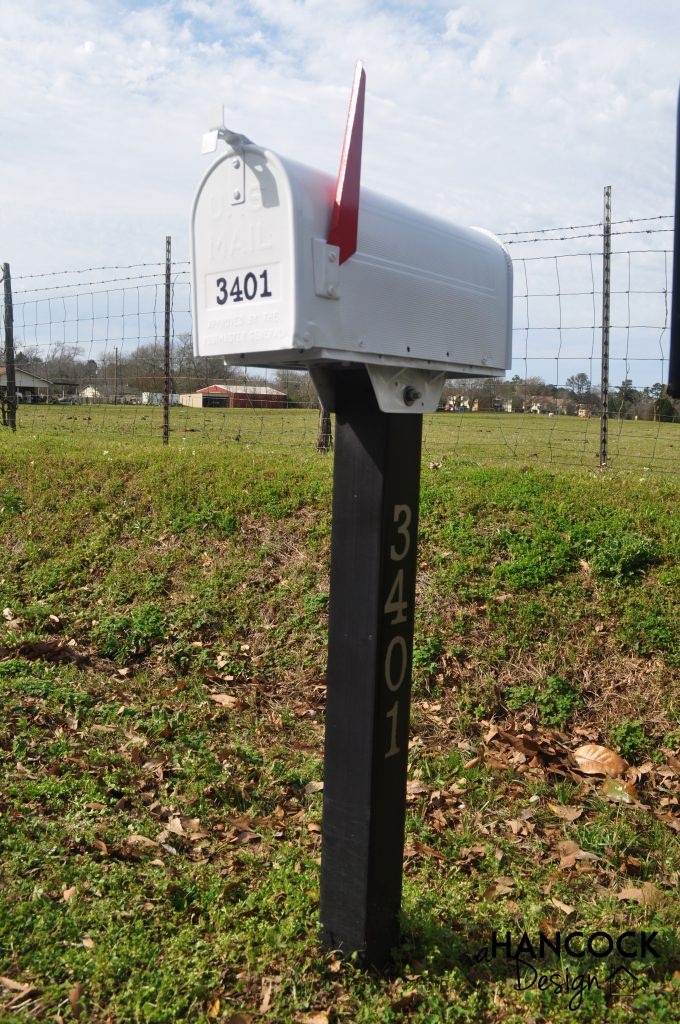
(345, 216)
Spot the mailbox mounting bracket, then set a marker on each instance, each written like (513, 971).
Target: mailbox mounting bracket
(397, 389)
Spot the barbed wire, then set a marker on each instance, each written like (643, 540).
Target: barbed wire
(114, 320)
(582, 227)
(93, 270)
(573, 238)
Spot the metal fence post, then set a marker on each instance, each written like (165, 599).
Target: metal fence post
(606, 295)
(11, 391)
(166, 368)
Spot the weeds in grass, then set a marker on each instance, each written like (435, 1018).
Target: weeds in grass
(555, 699)
(629, 739)
(122, 637)
(623, 557)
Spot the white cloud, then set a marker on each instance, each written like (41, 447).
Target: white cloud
(504, 113)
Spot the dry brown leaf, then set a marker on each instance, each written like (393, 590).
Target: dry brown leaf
(15, 986)
(74, 998)
(501, 887)
(414, 787)
(570, 852)
(240, 1018)
(88, 942)
(593, 759)
(226, 700)
(618, 791)
(313, 787)
(69, 893)
(408, 1001)
(269, 987)
(214, 1009)
(648, 894)
(566, 812)
(317, 1018)
(564, 907)
(136, 840)
(175, 825)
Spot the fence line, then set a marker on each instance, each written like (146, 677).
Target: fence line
(106, 350)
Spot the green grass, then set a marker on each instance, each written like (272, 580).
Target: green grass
(546, 599)
(478, 438)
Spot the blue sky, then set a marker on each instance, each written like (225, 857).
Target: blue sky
(509, 114)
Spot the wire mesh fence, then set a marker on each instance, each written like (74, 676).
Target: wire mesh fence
(106, 350)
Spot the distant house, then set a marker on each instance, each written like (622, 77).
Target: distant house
(236, 396)
(89, 394)
(157, 398)
(29, 387)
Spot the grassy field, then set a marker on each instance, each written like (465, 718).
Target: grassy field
(162, 660)
(480, 438)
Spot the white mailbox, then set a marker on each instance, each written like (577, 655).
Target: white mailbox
(416, 298)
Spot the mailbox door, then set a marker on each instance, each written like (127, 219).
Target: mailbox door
(242, 238)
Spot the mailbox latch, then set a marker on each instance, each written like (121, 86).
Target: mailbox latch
(326, 260)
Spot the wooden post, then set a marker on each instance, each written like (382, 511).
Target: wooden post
(11, 390)
(373, 572)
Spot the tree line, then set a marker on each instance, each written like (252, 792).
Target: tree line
(121, 375)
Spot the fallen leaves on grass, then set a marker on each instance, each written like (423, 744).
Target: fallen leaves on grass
(564, 907)
(566, 812)
(21, 991)
(647, 894)
(226, 700)
(593, 759)
(270, 986)
(74, 997)
(526, 749)
(570, 851)
(502, 886)
(142, 841)
(618, 791)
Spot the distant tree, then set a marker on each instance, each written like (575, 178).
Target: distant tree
(625, 401)
(665, 408)
(579, 384)
(191, 372)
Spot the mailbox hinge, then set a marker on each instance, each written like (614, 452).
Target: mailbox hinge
(236, 164)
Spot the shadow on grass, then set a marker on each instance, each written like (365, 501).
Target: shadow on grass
(469, 949)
